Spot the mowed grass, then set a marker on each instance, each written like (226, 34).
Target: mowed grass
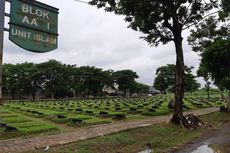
(24, 125)
(160, 138)
(42, 117)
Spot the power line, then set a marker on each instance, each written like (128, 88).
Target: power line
(80, 1)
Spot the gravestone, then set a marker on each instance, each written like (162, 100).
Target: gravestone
(103, 114)
(10, 129)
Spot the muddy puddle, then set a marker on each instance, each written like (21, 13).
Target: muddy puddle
(146, 151)
(217, 141)
(213, 148)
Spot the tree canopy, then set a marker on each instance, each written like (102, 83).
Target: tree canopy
(53, 79)
(165, 79)
(162, 21)
(216, 59)
(204, 73)
(158, 19)
(125, 80)
(226, 5)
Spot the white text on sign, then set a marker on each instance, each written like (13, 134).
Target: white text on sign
(35, 12)
(34, 36)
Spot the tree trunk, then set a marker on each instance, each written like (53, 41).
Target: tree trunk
(13, 95)
(228, 102)
(52, 96)
(33, 96)
(208, 89)
(74, 94)
(101, 93)
(125, 93)
(179, 89)
(222, 95)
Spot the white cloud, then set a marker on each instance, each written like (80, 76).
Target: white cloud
(89, 36)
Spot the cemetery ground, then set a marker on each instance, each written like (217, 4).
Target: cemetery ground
(27, 119)
(159, 138)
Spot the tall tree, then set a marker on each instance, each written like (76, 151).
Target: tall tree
(216, 59)
(160, 83)
(162, 21)
(139, 88)
(190, 82)
(166, 77)
(226, 5)
(93, 80)
(52, 74)
(125, 80)
(21, 79)
(203, 72)
(10, 80)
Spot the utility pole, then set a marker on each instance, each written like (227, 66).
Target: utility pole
(2, 24)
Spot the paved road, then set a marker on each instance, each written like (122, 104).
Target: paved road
(27, 144)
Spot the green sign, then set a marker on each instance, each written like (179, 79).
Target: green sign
(34, 25)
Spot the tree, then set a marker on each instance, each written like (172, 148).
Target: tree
(125, 79)
(208, 33)
(216, 60)
(51, 73)
(190, 83)
(72, 77)
(93, 80)
(21, 79)
(166, 77)
(10, 82)
(139, 88)
(203, 72)
(226, 5)
(162, 21)
(29, 79)
(160, 83)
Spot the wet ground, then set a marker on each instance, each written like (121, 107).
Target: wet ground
(214, 141)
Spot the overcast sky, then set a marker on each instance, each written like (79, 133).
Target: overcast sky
(91, 36)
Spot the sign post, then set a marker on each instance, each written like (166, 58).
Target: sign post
(33, 25)
(2, 17)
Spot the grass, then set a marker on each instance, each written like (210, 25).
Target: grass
(40, 117)
(37, 129)
(26, 126)
(161, 138)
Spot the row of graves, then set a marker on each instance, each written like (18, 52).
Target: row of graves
(18, 116)
(199, 102)
(21, 125)
(92, 111)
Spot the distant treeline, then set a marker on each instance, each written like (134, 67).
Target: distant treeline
(53, 79)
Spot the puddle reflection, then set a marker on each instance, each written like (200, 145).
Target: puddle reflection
(213, 148)
(146, 151)
(203, 149)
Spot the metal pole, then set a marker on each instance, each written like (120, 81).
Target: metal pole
(2, 17)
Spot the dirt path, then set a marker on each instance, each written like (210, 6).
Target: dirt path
(20, 144)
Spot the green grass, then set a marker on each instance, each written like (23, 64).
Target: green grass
(15, 120)
(162, 138)
(37, 129)
(20, 115)
(26, 126)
